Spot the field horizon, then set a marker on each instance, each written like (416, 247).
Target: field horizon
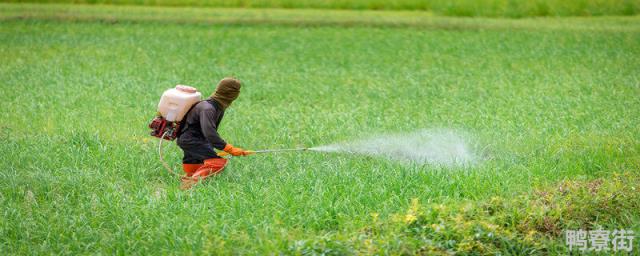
(457, 8)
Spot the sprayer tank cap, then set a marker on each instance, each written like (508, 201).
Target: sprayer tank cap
(186, 88)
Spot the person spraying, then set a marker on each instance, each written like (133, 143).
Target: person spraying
(198, 135)
(195, 122)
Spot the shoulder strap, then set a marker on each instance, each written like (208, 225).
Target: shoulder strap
(183, 124)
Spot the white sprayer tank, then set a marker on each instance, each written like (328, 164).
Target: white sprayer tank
(175, 102)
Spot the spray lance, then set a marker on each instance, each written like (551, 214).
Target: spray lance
(251, 152)
(225, 154)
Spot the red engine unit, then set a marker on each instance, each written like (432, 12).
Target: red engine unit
(159, 126)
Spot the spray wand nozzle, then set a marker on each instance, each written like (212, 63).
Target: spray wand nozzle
(251, 152)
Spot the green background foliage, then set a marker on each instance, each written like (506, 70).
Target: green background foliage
(502, 8)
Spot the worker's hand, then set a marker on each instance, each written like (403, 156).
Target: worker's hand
(235, 151)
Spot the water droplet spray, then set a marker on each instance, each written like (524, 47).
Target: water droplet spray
(439, 147)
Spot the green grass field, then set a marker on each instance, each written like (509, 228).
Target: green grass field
(545, 101)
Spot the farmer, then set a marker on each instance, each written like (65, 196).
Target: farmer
(199, 136)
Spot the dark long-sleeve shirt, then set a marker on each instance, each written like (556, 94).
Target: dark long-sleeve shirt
(200, 126)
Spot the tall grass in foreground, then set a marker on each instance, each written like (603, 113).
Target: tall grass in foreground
(493, 8)
(522, 225)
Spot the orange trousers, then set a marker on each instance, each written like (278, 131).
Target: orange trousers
(211, 166)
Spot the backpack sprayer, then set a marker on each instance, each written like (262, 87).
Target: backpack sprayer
(172, 108)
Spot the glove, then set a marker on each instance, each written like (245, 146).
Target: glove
(235, 151)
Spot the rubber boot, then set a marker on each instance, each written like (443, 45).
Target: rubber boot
(190, 169)
(212, 166)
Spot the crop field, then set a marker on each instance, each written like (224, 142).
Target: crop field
(549, 107)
